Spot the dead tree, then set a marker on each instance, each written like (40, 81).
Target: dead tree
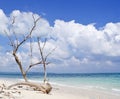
(46, 87)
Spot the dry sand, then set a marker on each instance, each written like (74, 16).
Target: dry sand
(58, 92)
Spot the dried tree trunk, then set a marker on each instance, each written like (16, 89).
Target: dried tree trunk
(20, 66)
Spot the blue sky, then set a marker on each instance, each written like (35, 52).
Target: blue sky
(88, 30)
(83, 11)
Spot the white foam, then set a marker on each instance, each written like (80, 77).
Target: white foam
(118, 90)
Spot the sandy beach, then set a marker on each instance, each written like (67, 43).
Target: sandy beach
(58, 92)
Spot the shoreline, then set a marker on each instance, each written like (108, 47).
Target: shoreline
(63, 92)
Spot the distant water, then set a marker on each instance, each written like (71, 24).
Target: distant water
(103, 81)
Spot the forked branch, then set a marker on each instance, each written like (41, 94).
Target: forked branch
(17, 45)
(44, 59)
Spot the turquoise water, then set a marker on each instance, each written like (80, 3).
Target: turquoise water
(103, 81)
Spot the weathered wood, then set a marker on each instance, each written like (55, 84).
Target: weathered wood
(45, 88)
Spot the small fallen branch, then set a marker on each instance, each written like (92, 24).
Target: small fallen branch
(45, 87)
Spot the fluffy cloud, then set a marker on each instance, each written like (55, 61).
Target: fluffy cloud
(78, 45)
(7, 61)
(88, 38)
(23, 23)
(3, 22)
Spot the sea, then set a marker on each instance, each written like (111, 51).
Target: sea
(100, 81)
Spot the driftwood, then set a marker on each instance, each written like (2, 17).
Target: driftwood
(45, 87)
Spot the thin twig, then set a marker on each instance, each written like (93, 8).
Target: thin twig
(31, 49)
(16, 38)
(11, 41)
(44, 44)
(50, 53)
(29, 35)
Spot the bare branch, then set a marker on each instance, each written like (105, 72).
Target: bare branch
(47, 63)
(33, 17)
(32, 66)
(43, 60)
(11, 41)
(41, 53)
(29, 35)
(50, 53)
(44, 45)
(16, 45)
(13, 21)
(16, 38)
(35, 64)
(31, 49)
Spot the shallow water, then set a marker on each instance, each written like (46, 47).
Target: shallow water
(102, 81)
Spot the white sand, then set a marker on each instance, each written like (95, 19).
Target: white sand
(55, 95)
(59, 92)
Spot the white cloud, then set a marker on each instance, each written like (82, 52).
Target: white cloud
(75, 42)
(7, 62)
(3, 22)
(23, 23)
(109, 62)
(88, 38)
(112, 29)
